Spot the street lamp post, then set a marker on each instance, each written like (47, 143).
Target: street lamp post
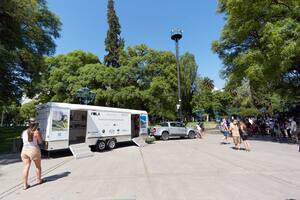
(85, 95)
(176, 35)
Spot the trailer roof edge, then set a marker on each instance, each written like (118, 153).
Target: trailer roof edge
(89, 107)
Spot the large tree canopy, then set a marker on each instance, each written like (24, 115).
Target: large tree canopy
(260, 43)
(27, 32)
(62, 76)
(145, 80)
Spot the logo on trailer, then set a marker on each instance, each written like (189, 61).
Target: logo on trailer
(95, 113)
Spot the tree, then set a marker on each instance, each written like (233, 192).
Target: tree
(28, 110)
(27, 32)
(206, 84)
(260, 43)
(114, 44)
(62, 77)
(209, 101)
(146, 80)
(189, 70)
(10, 114)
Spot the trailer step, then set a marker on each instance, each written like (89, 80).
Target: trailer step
(81, 150)
(140, 141)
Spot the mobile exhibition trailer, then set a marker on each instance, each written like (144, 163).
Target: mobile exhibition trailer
(64, 125)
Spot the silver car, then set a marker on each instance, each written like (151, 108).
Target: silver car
(173, 129)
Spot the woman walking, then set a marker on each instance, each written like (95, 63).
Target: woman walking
(244, 135)
(234, 129)
(225, 131)
(31, 152)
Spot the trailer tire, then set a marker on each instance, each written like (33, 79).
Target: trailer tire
(191, 135)
(111, 144)
(165, 135)
(100, 146)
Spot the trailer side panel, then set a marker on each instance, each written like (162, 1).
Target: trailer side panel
(105, 124)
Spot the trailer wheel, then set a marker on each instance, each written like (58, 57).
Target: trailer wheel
(100, 146)
(191, 135)
(165, 136)
(111, 144)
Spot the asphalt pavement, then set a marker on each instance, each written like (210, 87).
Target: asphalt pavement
(176, 169)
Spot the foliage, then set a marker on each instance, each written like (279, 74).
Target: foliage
(260, 42)
(206, 84)
(149, 139)
(11, 114)
(62, 79)
(146, 80)
(189, 76)
(28, 110)
(7, 136)
(211, 102)
(114, 44)
(27, 32)
(246, 112)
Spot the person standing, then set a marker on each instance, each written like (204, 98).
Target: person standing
(234, 129)
(294, 132)
(31, 152)
(244, 135)
(277, 131)
(288, 128)
(199, 130)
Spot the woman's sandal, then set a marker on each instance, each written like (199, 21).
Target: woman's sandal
(41, 181)
(26, 187)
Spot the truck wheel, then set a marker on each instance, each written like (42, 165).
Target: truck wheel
(191, 135)
(100, 146)
(165, 136)
(111, 144)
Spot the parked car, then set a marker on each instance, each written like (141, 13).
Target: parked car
(173, 129)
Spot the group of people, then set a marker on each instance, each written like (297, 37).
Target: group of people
(279, 127)
(239, 132)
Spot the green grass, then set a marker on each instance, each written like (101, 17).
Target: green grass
(210, 124)
(7, 136)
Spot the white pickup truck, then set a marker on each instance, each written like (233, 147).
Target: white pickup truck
(172, 129)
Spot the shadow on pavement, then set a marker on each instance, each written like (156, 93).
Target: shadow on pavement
(241, 149)
(56, 176)
(10, 159)
(118, 146)
(52, 178)
(268, 138)
(56, 153)
(125, 144)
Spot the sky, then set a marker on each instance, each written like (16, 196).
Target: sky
(144, 22)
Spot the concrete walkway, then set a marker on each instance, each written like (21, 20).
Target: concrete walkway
(176, 169)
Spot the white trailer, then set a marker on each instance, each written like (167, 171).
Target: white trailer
(65, 125)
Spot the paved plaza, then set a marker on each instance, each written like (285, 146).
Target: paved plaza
(175, 169)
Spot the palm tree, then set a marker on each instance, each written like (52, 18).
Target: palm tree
(206, 84)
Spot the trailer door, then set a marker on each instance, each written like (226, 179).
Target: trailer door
(140, 131)
(135, 126)
(78, 122)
